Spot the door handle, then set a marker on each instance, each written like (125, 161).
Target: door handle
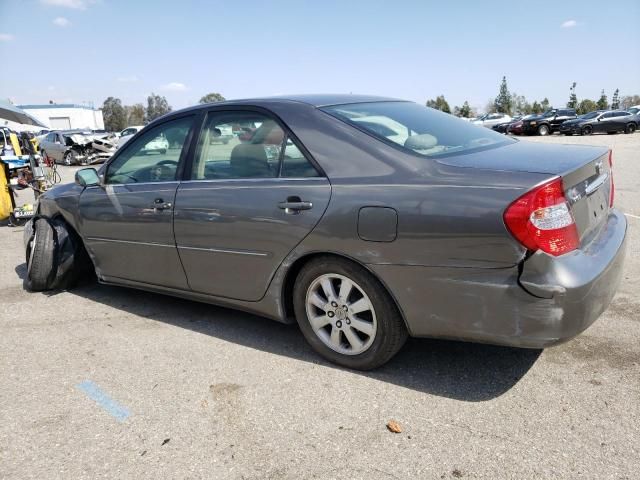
(160, 204)
(294, 205)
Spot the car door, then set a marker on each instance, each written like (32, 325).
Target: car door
(604, 123)
(56, 147)
(246, 204)
(620, 120)
(127, 222)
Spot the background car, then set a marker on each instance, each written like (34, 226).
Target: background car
(362, 235)
(601, 122)
(490, 119)
(126, 134)
(503, 127)
(77, 147)
(549, 122)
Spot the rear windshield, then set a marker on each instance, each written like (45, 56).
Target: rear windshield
(416, 128)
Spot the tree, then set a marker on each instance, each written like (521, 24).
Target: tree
(602, 101)
(545, 105)
(135, 114)
(503, 100)
(629, 101)
(114, 115)
(573, 98)
(586, 106)
(156, 107)
(212, 98)
(464, 111)
(519, 104)
(439, 104)
(536, 107)
(615, 100)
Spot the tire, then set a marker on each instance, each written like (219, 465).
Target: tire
(587, 130)
(630, 128)
(543, 130)
(69, 158)
(46, 270)
(163, 151)
(386, 331)
(40, 257)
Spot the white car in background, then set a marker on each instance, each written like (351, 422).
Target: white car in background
(128, 133)
(490, 119)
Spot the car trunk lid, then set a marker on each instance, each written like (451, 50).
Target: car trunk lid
(528, 156)
(584, 171)
(588, 190)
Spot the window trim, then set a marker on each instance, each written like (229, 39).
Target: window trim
(186, 150)
(288, 133)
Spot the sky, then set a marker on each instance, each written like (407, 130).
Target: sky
(76, 51)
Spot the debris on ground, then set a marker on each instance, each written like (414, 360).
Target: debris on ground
(165, 441)
(394, 426)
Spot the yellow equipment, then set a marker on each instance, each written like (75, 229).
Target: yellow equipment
(6, 199)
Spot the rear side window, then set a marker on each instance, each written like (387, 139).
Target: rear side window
(416, 128)
(243, 144)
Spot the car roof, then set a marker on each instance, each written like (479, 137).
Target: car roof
(314, 100)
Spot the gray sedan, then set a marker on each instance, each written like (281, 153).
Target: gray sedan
(364, 219)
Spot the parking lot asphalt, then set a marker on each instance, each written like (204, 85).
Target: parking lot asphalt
(106, 382)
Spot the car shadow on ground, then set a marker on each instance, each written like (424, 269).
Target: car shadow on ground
(458, 370)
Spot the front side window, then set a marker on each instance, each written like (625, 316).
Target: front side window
(416, 128)
(152, 157)
(237, 145)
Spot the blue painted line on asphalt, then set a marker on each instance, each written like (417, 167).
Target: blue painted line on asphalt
(112, 407)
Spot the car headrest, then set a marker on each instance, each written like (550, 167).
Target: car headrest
(249, 161)
(423, 141)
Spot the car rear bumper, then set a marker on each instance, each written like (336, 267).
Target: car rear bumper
(547, 301)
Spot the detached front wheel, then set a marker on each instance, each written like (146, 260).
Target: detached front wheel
(40, 257)
(346, 315)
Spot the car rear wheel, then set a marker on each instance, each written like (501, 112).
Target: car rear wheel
(346, 315)
(543, 130)
(587, 130)
(630, 128)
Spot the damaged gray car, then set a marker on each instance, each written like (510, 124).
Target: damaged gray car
(365, 220)
(77, 147)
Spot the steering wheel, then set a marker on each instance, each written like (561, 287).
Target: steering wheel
(167, 162)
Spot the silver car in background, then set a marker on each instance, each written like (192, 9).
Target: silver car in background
(490, 119)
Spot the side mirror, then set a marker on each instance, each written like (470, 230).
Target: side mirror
(87, 177)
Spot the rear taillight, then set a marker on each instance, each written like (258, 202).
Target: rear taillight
(541, 220)
(612, 187)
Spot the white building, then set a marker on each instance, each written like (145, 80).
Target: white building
(66, 116)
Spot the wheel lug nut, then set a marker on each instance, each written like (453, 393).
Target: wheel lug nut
(345, 308)
(339, 324)
(334, 304)
(330, 314)
(348, 321)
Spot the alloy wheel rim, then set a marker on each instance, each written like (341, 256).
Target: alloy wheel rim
(341, 314)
